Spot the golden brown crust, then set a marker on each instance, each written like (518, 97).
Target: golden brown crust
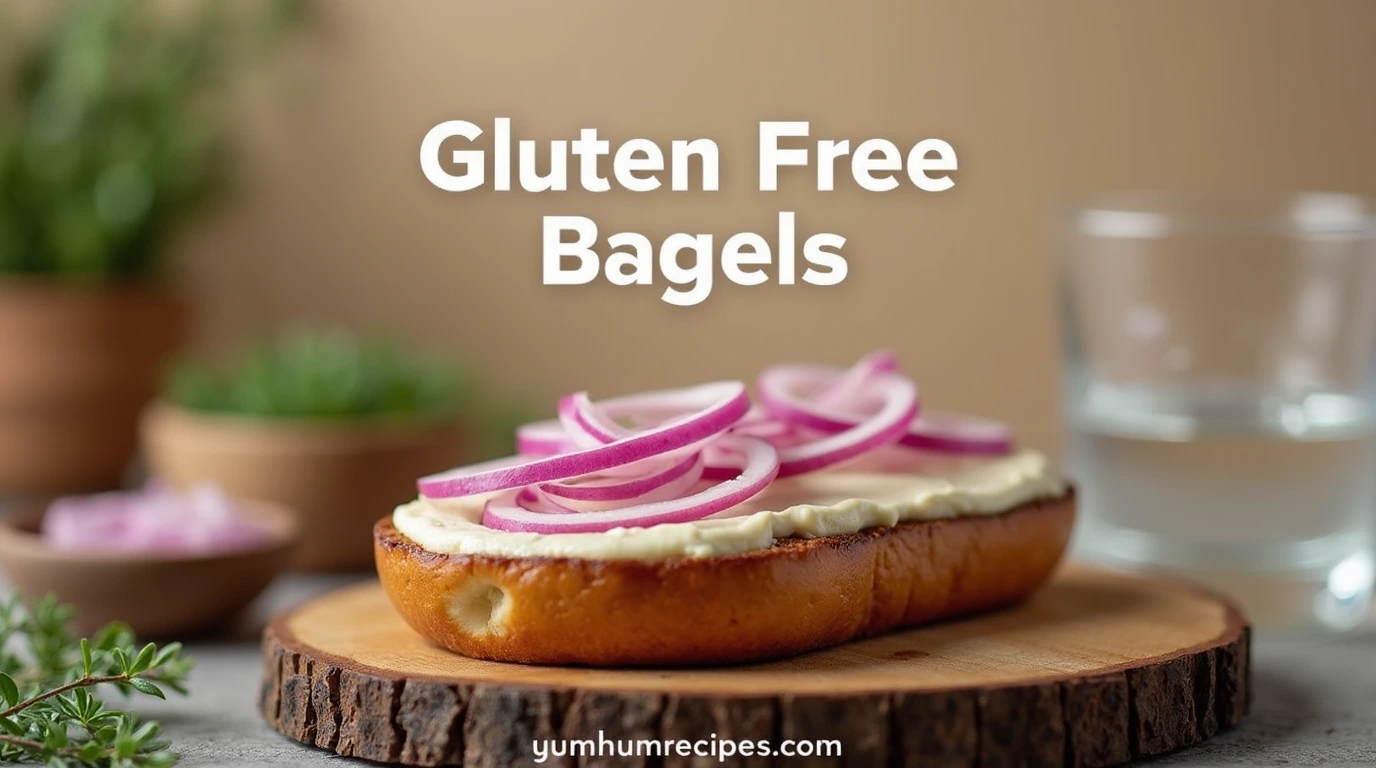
(796, 596)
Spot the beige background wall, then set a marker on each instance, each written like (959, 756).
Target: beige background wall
(1044, 102)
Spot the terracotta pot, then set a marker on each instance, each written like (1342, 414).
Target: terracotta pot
(77, 365)
(339, 476)
(157, 595)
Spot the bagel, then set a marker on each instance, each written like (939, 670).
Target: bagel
(795, 595)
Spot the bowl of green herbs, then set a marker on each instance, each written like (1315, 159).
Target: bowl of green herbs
(333, 426)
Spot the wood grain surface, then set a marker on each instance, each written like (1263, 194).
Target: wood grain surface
(1096, 669)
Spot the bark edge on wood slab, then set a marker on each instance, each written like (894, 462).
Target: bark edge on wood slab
(1119, 713)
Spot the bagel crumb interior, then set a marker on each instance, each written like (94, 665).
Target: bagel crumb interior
(480, 607)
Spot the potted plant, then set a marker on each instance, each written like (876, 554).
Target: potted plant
(109, 143)
(334, 427)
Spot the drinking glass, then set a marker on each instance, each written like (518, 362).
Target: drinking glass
(1217, 380)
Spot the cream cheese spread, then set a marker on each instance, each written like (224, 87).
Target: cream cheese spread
(819, 504)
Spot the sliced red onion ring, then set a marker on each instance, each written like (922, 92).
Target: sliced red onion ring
(646, 408)
(532, 499)
(590, 426)
(722, 463)
(779, 389)
(958, 433)
(670, 481)
(761, 466)
(783, 392)
(580, 416)
(543, 438)
(640, 460)
(849, 384)
(884, 426)
(726, 403)
(587, 424)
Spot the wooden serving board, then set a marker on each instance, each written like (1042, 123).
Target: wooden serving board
(1095, 669)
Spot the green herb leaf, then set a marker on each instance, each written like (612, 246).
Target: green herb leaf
(168, 653)
(113, 634)
(146, 732)
(144, 660)
(67, 705)
(85, 657)
(9, 691)
(56, 736)
(125, 746)
(147, 686)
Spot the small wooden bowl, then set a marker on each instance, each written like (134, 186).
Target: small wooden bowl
(158, 595)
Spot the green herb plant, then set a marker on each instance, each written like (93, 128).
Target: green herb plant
(50, 712)
(113, 127)
(321, 374)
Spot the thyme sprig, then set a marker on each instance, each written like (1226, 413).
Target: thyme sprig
(50, 713)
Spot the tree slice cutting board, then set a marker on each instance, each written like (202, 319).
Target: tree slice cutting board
(1096, 669)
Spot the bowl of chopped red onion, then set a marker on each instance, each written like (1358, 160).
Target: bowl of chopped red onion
(165, 562)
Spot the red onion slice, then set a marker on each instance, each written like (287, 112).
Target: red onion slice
(761, 466)
(783, 392)
(958, 433)
(850, 383)
(780, 389)
(543, 438)
(587, 421)
(674, 479)
(586, 424)
(532, 499)
(721, 462)
(726, 403)
(589, 426)
(884, 426)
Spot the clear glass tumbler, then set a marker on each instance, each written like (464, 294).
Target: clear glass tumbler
(1218, 377)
